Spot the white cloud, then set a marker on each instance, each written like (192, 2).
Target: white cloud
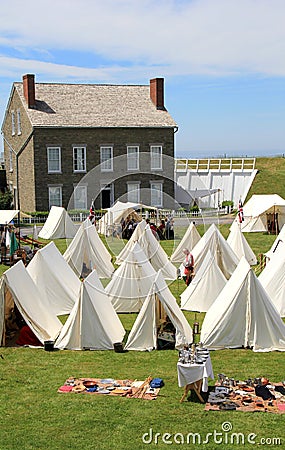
(179, 37)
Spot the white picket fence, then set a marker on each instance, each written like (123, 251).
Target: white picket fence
(80, 217)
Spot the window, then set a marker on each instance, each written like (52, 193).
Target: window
(156, 194)
(106, 159)
(79, 159)
(156, 157)
(133, 192)
(133, 158)
(54, 159)
(10, 160)
(19, 121)
(55, 196)
(13, 122)
(80, 197)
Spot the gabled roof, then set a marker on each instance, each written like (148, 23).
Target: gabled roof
(94, 105)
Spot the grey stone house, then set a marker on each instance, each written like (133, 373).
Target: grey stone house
(66, 144)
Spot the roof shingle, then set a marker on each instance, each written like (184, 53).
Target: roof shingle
(94, 105)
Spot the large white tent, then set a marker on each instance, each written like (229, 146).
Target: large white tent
(214, 242)
(272, 279)
(278, 246)
(189, 240)
(143, 335)
(243, 315)
(129, 245)
(205, 286)
(57, 283)
(112, 218)
(58, 225)
(87, 252)
(239, 244)
(156, 255)
(131, 282)
(44, 324)
(261, 211)
(93, 323)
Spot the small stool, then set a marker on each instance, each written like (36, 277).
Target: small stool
(196, 387)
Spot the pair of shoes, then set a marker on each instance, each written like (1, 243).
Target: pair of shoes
(228, 406)
(217, 395)
(214, 399)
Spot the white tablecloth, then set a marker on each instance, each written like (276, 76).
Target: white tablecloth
(189, 373)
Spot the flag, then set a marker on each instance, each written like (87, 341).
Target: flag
(13, 243)
(240, 211)
(91, 216)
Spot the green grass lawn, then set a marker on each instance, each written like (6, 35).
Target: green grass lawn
(35, 416)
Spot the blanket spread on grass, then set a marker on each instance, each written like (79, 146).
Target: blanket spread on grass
(109, 386)
(246, 400)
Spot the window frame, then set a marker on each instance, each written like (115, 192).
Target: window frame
(50, 147)
(76, 147)
(103, 164)
(49, 195)
(19, 125)
(153, 158)
(152, 183)
(138, 190)
(10, 160)
(84, 188)
(13, 123)
(130, 158)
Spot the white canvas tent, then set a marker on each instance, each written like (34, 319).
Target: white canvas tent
(114, 215)
(87, 252)
(44, 324)
(243, 315)
(93, 323)
(239, 244)
(205, 286)
(6, 215)
(156, 255)
(214, 242)
(261, 210)
(189, 240)
(129, 245)
(278, 246)
(58, 225)
(272, 279)
(131, 282)
(57, 283)
(143, 335)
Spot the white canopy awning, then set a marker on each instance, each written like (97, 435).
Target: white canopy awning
(6, 215)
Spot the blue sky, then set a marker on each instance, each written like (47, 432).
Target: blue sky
(222, 60)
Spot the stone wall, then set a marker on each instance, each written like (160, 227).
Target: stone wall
(92, 138)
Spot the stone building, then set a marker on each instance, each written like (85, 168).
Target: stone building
(67, 144)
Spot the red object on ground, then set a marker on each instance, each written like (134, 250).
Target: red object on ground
(27, 337)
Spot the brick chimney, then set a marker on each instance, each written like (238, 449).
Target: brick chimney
(29, 90)
(157, 92)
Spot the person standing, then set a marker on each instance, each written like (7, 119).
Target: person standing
(188, 264)
(3, 244)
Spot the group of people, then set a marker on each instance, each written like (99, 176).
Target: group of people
(128, 226)
(11, 251)
(164, 230)
(8, 241)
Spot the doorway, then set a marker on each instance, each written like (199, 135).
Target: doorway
(107, 196)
